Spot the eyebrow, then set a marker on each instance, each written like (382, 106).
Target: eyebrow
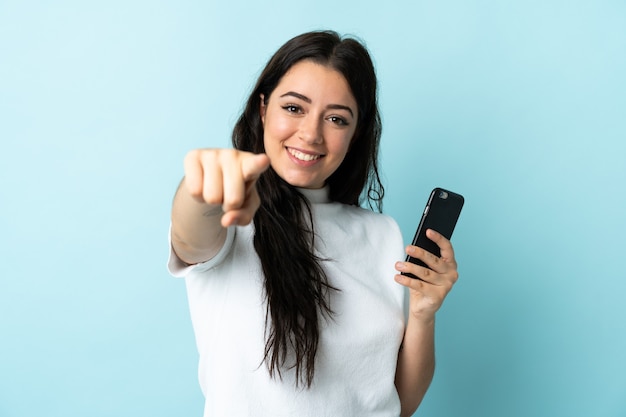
(308, 100)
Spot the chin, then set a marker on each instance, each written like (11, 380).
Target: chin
(304, 184)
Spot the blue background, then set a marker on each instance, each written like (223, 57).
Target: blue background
(519, 105)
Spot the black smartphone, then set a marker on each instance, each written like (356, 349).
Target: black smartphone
(441, 214)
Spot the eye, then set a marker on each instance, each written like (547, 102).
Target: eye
(340, 121)
(292, 108)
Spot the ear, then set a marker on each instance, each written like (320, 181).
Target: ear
(262, 108)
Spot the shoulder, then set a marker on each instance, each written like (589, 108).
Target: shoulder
(338, 218)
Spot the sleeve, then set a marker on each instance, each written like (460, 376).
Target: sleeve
(179, 269)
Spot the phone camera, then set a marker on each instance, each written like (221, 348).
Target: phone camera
(443, 195)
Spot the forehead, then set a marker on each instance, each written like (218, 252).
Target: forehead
(316, 81)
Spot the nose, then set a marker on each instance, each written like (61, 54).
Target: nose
(310, 130)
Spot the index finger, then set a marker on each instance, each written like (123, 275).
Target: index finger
(447, 251)
(254, 166)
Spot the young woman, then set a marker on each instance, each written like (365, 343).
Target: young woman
(290, 282)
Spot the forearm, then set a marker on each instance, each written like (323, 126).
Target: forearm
(416, 364)
(196, 232)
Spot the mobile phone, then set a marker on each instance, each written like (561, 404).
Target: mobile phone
(441, 214)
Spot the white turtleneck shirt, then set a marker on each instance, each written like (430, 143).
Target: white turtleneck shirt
(358, 347)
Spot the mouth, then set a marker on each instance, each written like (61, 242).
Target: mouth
(305, 157)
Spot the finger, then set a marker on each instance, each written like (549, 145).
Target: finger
(193, 174)
(411, 283)
(431, 260)
(241, 170)
(447, 251)
(245, 214)
(423, 274)
(200, 174)
(447, 260)
(253, 166)
(230, 218)
(233, 181)
(212, 189)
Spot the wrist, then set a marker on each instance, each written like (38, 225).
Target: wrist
(422, 320)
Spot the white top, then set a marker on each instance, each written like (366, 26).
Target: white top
(358, 348)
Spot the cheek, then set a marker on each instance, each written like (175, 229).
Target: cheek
(278, 128)
(342, 143)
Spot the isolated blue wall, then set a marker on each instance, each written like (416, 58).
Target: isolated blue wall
(519, 105)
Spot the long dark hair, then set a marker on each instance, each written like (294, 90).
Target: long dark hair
(296, 286)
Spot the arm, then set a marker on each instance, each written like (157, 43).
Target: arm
(416, 359)
(416, 364)
(218, 191)
(196, 232)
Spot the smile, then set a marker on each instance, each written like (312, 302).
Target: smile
(303, 156)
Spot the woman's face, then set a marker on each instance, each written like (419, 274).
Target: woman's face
(309, 121)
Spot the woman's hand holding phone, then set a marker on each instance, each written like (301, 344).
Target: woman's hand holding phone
(430, 269)
(433, 282)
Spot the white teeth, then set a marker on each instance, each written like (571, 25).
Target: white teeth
(303, 156)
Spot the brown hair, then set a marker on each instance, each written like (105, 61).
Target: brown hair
(297, 289)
